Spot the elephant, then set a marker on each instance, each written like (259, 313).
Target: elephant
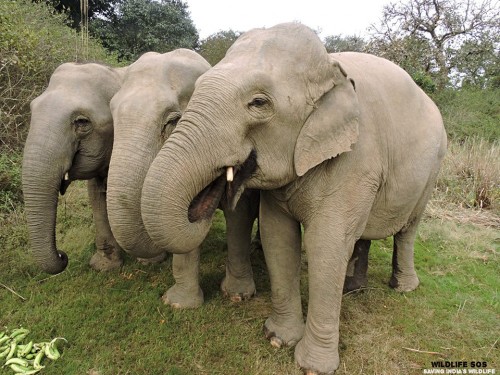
(155, 92)
(70, 138)
(344, 144)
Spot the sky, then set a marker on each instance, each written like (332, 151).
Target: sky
(329, 17)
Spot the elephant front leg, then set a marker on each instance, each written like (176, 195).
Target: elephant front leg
(186, 293)
(238, 283)
(109, 254)
(281, 241)
(356, 276)
(328, 251)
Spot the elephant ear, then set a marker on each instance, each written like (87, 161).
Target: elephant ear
(332, 125)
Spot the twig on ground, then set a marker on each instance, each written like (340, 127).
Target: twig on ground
(159, 312)
(492, 346)
(48, 278)
(13, 291)
(423, 351)
(360, 290)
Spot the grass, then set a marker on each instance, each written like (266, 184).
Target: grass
(115, 322)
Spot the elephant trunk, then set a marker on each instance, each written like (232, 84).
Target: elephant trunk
(183, 168)
(133, 153)
(45, 165)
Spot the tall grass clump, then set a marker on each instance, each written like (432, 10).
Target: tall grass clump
(470, 176)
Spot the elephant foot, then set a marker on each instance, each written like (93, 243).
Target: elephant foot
(155, 260)
(283, 335)
(183, 298)
(316, 360)
(353, 283)
(404, 283)
(238, 289)
(106, 261)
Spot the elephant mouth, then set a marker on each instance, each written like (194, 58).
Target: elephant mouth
(229, 183)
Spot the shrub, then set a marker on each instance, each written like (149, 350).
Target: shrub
(10, 181)
(470, 113)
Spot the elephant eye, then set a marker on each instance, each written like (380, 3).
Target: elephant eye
(173, 119)
(258, 102)
(261, 107)
(169, 124)
(82, 124)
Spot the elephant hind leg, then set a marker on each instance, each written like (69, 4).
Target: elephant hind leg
(356, 277)
(404, 277)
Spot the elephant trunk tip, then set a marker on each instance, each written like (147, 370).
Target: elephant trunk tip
(58, 266)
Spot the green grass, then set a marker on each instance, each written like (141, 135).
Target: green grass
(115, 322)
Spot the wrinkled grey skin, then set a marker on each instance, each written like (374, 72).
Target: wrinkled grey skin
(71, 132)
(345, 144)
(155, 92)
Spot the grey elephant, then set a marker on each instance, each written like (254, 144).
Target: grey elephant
(346, 144)
(70, 138)
(155, 92)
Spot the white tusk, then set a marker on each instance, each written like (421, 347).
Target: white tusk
(66, 176)
(230, 174)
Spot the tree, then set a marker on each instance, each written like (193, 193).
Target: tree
(427, 36)
(95, 8)
(139, 26)
(339, 43)
(214, 47)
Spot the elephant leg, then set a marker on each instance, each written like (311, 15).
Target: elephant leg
(109, 254)
(328, 251)
(357, 268)
(404, 278)
(238, 284)
(281, 240)
(186, 293)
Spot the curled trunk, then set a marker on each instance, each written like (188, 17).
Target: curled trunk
(175, 178)
(130, 161)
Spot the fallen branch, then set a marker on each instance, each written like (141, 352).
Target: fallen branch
(423, 351)
(13, 291)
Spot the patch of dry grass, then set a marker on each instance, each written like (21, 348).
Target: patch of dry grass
(470, 176)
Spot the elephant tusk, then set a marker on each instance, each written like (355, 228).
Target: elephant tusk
(230, 174)
(66, 176)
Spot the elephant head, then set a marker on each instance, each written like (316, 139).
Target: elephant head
(70, 138)
(256, 118)
(155, 92)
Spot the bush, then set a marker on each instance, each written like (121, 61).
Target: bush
(33, 42)
(10, 181)
(425, 81)
(470, 113)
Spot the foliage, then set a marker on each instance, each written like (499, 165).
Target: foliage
(10, 181)
(72, 8)
(140, 26)
(470, 113)
(214, 47)
(340, 43)
(434, 36)
(33, 42)
(425, 81)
